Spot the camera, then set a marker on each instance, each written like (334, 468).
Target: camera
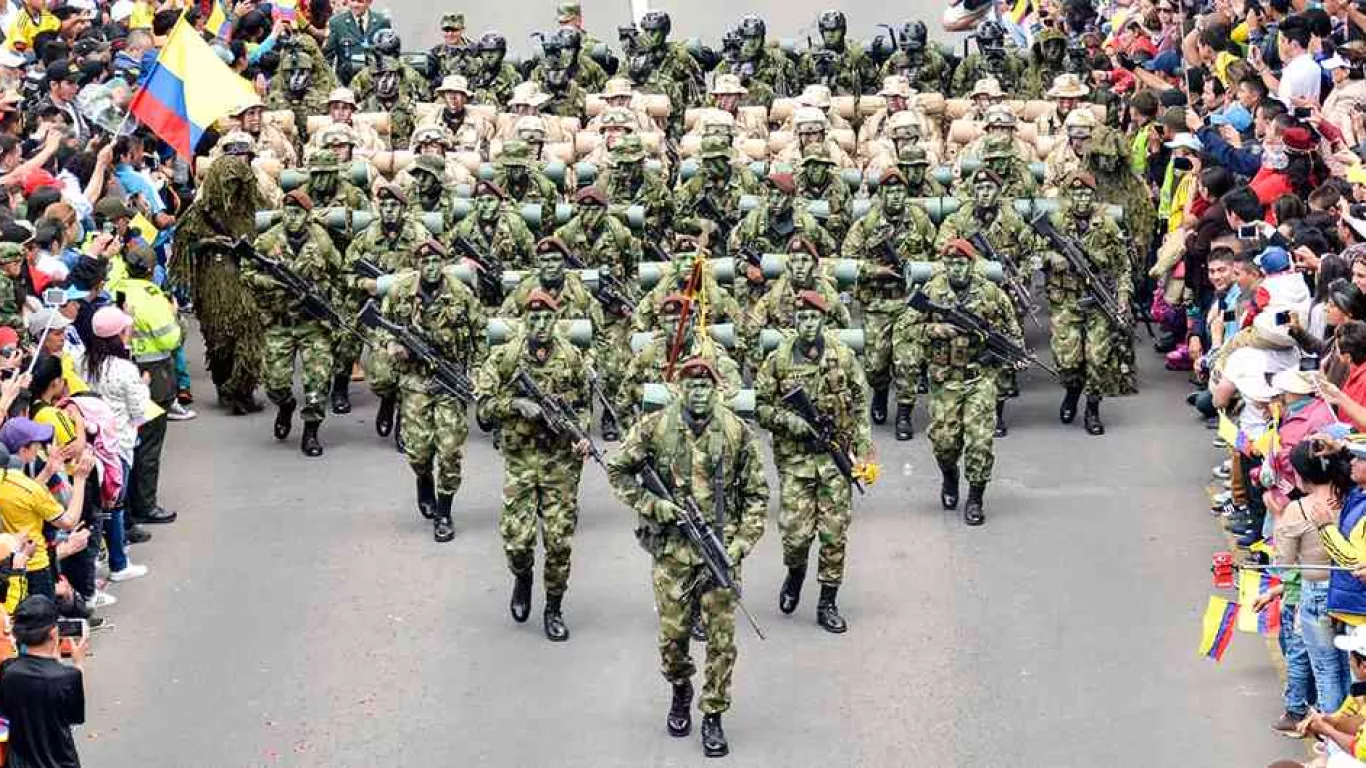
(1302, 113)
(1283, 318)
(1308, 363)
(1182, 163)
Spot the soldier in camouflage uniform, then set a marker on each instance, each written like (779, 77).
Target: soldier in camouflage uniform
(812, 130)
(774, 309)
(271, 141)
(768, 229)
(1046, 61)
(573, 300)
(1093, 356)
(1117, 184)
(962, 382)
(1000, 128)
(653, 362)
(758, 64)
(517, 175)
(900, 225)
(432, 301)
(1067, 93)
(454, 55)
(626, 182)
(669, 61)
(840, 64)
(1069, 156)
(341, 111)
(1000, 156)
(392, 94)
(427, 185)
(566, 98)
(12, 291)
(582, 69)
(814, 498)
(992, 60)
(291, 331)
(240, 144)
(541, 468)
(385, 49)
(690, 273)
(815, 181)
(494, 78)
(496, 229)
(914, 164)
(923, 66)
(709, 202)
(904, 130)
(299, 87)
(700, 449)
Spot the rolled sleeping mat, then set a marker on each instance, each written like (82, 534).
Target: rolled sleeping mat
(844, 271)
(723, 269)
(852, 178)
(632, 216)
(514, 277)
(938, 208)
(1037, 169)
(944, 174)
(531, 214)
(1029, 208)
(460, 208)
(721, 333)
(770, 338)
(358, 173)
(555, 171)
(821, 208)
(922, 271)
(501, 329)
(461, 272)
(655, 396)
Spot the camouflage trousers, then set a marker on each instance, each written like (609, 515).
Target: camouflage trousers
(346, 346)
(434, 431)
(1087, 351)
(612, 353)
(908, 361)
(963, 422)
(311, 343)
(676, 586)
(540, 493)
(814, 500)
(380, 373)
(877, 348)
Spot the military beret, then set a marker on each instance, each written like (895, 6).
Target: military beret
(783, 181)
(539, 299)
(551, 244)
(812, 300)
(590, 195)
(698, 367)
(488, 187)
(892, 176)
(299, 197)
(392, 191)
(674, 304)
(960, 246)
(988, 174)
(1083, 178)
(434, 246)
(800, 244)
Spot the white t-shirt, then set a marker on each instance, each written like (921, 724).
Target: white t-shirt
(1302, 78)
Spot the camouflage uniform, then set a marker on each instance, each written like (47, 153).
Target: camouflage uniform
(722, 193)
(1003, 158)
(771, 75)
(915, 166)
(310, 101)
(721, 307)
(851, 73)
(627, 183)
(428, 186)
(402, 119)
(648, 366)
(527, 184)
(774, 309)
(1117, 184)
(927, 72)
(497, 89)
(1046, 62)
(759, 232)
(576, 302)
(831, 188)
(412, 86)
(504, 236)
(12, 291)
(566, 102)
(1008, 70)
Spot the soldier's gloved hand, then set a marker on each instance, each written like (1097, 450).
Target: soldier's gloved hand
(796, 426)
(665, 511)
(369, 285)
(941, 331)
(525, 408)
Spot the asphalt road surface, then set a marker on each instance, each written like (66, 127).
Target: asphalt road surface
(299, 614)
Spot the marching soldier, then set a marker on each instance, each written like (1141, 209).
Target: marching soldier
(428, 185)
(496, 228)
(690, 274)
(992, 60)
(921, 64)
(914, 164)
(1000, 128)
(815, 180)
(842, 65)
(709, 202)
(1067, 92)
(390, 96)
(493, 79)
(565, 97)
(1069, 156)
(433, 302)
(813, 495)
(1047, 62)
(962, 384)
(341, 110)
(240, 144)
(728, 94)
(776, 307)
(1092, 355)
(385, 46)
(625, 182)
(299, 88)
(812, 131)
(768, 228)
(468, 131)
(670, 60)
(573, 300)
(758, 64)
(541, 468)
(903, 130)
(292, 332)
(705, 455)
(523, 183)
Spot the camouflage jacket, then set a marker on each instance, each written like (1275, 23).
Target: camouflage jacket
(835, 383)
(776, 307)
(1006, 232)
(1106, 249)
(11, 305)
(497, 90)
(562, 373)
(537, 189)
(508, 240)
(611, 249)
(650, 192)
(452, 320)
(693, 215)
(313, 102)
(913, 240)
(576, 301)
(975, 67)
(928, 75)
(316, 260)
(402, 120)
(838, 200)
(964, 355)
(647, 366)
(413, 86)
(853, 71)
(773, 69)
(757, 231)
(721, 306)
(392, 252)
(567, 103)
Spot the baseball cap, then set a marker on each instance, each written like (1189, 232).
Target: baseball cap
(19, 432)
(11, 60)
(1186, 141)
(1335, 62)
(50, 319)
(1354, 641)
(109, 322)
(35, 614)
(61, 69)
(1235, 115)
(1273, 260)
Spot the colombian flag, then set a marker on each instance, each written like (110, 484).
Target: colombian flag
(218, 24)
(1217, 626)
(188, 89)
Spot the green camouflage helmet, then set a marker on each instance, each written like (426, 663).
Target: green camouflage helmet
(714, 146)
(628, 150)
(515, 152)
(913, 155)
(11, 252)
(429, 164)
(324, 160)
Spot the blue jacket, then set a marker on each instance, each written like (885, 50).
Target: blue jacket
(1346, 593)
(1243, 162)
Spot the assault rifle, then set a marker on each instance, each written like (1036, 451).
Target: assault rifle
(1013, 280)
(703, 538)
(558, 416)
(887, 250)
(998, 344)
(612, 293)
(824, 429)
(312, 298)
(447, 376)
(1100, 293)
(367, 269)
(490, 269)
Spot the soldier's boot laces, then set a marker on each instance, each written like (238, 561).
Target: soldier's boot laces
(284, 418)
(555, 629)
(341, 393)
(610, 431)
(1067, 412)
(827, 613)
(791, 593)
(878, 407)
(1091, 419)
(904, 429)
(443, 529)
(948, 488)
(1001, 429)
(714, 742)
(679, 720)
(520, 607)
(309, 443)
(972, 511)
(695, 629)
(426, 495)
(384, 417)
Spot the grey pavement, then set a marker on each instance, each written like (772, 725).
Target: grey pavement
(299, 614)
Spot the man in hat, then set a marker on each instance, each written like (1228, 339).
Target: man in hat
(919, 63)
(699, 448)
(341, 110)
(240, 144)
(812, 130)
(813, 495)
(963, 384)
(690, 274)
(817, 181)
(625, 181)
(552, 277)
(801, 273)
(985, 93)
(1046, 62)
(470, 132)
(1093, 355)
(300, 85)
(271, 142)
(914, 164)
(903, 130)
(493, 79)
(728, 94)
(618, 94)
(897, 96)
(496, 229)
(454, 55)
(709, 202)
(999, 128)
(837, 62)
(613, 124)
(433, 302)
(894, 229)
(527, 99)
(1016, 175)
(767, 229)
(1067, 92)
(758, 65)
(429, 184)
(306, 248)
(385, 64)
(12, 291)
(669, 63)
(1071, 154)
(992, 60)
(521, 179)
(541, 467)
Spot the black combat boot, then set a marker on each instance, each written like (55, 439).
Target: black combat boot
(1067, 412)
(713, 736)
(878, 407)
(310, 444)
(948, 488)
(341, 393)
(384, 417)
(1001, 429)
(284, 418)
(241, 404)
(443, 530)
(1091, 419)
(521, 597)
(791, 593)
(827, 613)
(610, 432)
(904, 430)
(679, 721)
(555, 630)
(426, 495)
(972, 511)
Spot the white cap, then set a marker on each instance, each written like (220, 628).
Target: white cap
(1186, 140)
(1335, 62)
(1354, 641)
(11, 60)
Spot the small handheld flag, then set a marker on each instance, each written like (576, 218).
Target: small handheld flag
(1217, 627)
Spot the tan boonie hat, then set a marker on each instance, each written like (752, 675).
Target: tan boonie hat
(342, 95)
(617, 87)
(455, 84)
(1000, 115)
(987, 86)
(815, 95)
(1067, 86)
(527, 94)
(728, 85)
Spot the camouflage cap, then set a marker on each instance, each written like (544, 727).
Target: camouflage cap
(817, 153)
(539, 299)
(342, 96)
(515, 152)
(567, 12)
(297, 197)
(714, 147)
(452, 21)
(617, 87)
(429, 164)
(809, 120)
(895, 85)
(959, 246)
(913, 155)
(324, 160)
(428, 135)
(250, 102)
(454, 84)
(1000, 115)
(815, 95)
(698, 367)
(628, 150)
(11, 252)
(986, 174)
(812, 300)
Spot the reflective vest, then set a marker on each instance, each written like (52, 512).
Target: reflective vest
(156, 332)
